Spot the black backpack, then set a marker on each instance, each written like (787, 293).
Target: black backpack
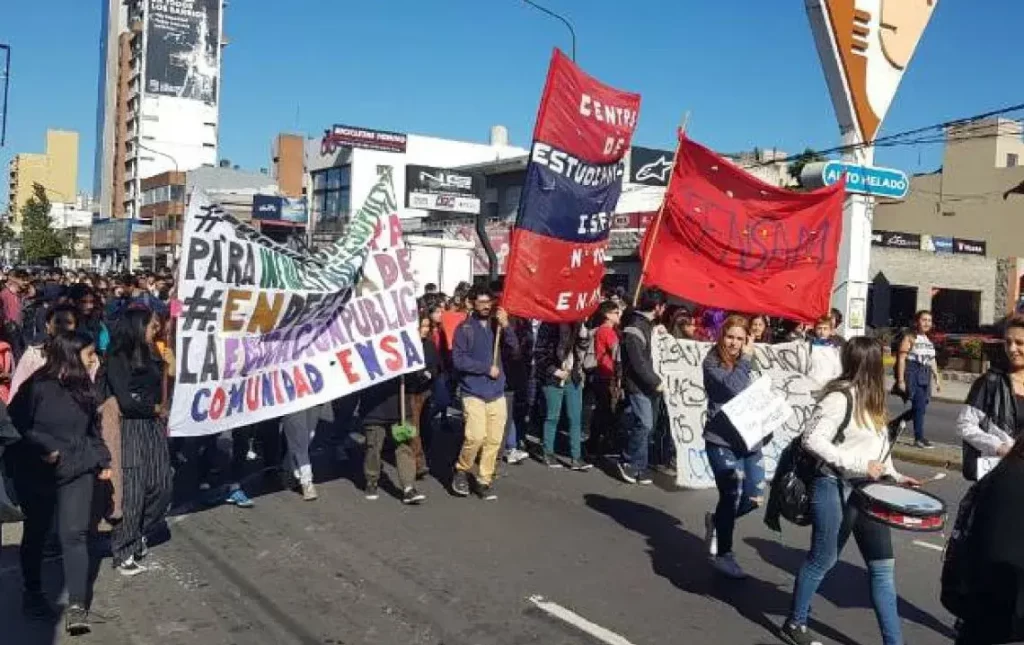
(957, 575)
(790, 494)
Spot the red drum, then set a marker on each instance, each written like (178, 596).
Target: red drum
(900, 507)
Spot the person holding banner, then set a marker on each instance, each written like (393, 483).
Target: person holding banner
(134, 377)
(482, 384)
(738, 468)
(863, 452)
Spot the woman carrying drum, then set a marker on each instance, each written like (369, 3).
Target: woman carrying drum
(856, 398)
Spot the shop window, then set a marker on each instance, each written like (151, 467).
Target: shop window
(1012, 160)
(332, 189)
(956, 310)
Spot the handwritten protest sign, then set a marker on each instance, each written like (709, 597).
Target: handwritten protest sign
(757, 411)
(265, 331)
(796, 371)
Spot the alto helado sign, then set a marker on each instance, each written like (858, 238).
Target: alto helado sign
(864, 180)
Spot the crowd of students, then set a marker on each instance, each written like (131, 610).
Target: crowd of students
(90, 377)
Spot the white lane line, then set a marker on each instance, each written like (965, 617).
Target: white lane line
(929, 545)
(579, 622)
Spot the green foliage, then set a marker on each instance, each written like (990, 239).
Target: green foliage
(804, 158)
(39, 241)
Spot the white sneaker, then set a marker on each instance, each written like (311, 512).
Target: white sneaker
(130, 568)
(710, 534)
(516, 456)
(309, 492)
(727, 566)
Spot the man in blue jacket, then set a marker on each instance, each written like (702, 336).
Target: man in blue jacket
(482, 385)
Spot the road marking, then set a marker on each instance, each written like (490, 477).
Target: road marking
(579, 622)
(929, 545)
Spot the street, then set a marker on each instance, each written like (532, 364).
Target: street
(940, 420)
(627, 561)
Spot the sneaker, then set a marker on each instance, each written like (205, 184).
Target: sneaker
(413, 496)
(486, 492)
(644, 479)
(239, 499)
(580, 466)
(625, 474)
(130, 568)
(727, 566)
(797, 634)
(76, 621)
(516, 456)
(551, 461)
(371, 492)
(710, 534)
(924, 444)
(309, 493)
(36, 607)
(460, 484)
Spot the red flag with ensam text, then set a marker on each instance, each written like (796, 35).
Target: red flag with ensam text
(731, 241)
(573, 182)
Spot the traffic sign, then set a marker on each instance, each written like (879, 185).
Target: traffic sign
(862, 180)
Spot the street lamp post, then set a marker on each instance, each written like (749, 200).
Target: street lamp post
(152, 231)
(563, 19)
(6, 49)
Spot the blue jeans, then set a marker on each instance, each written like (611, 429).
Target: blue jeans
(639, 424)
(832, 521)
(572, 394)
(740, 480)
(919, 390)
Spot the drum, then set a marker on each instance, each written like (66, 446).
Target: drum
(900, 507)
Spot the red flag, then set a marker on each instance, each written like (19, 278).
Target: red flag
(573, 182)
(729, 240)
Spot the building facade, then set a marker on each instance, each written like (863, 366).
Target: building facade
(56, 169)
(159, 88)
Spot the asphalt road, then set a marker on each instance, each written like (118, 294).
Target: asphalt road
(940, 420)
(343, 570)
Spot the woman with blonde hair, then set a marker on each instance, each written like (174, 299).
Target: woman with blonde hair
(738, 469)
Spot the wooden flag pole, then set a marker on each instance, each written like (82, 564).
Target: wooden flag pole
(661, 212)
(497, 346)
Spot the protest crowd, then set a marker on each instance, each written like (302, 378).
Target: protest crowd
(89, 372)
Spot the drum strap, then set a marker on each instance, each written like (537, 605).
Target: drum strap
(840, 437)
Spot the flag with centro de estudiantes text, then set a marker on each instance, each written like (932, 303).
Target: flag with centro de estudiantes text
(573, 182)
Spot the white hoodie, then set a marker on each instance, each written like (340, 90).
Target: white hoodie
(863, 443)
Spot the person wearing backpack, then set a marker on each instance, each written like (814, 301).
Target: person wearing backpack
(915, 369)
(990, 419)
(863, 453)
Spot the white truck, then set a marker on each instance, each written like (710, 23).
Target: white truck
(443, 262)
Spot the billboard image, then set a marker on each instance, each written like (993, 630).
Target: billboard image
(183, 49)
(440, 189)
(281, 209)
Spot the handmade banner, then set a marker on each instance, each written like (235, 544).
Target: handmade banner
(729, 240)
(265, 331)
(573, 182)
(797, 373)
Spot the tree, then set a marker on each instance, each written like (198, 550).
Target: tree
(39, 241)
(797, 165)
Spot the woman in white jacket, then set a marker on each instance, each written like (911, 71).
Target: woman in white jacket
(863, 453)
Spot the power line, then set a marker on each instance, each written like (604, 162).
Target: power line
(893, 140)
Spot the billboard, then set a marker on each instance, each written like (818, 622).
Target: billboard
(345, 136)
(649, 167)
(438, 189)
(183, 49)
(280, 209)
(896, 240)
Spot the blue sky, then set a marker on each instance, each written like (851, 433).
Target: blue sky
(747, 70)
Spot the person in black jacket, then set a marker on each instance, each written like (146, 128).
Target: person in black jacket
(60, 459)
(379, 410)
(988, 420)
(641, 383)
(419, 387)
(560, 351)
(133, 377)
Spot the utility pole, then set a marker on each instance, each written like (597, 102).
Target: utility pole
(5, 76)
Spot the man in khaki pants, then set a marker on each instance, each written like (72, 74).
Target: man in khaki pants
(482, 386)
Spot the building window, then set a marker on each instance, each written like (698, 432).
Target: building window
(163, 194)
(332, 190)
(1012, 160)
